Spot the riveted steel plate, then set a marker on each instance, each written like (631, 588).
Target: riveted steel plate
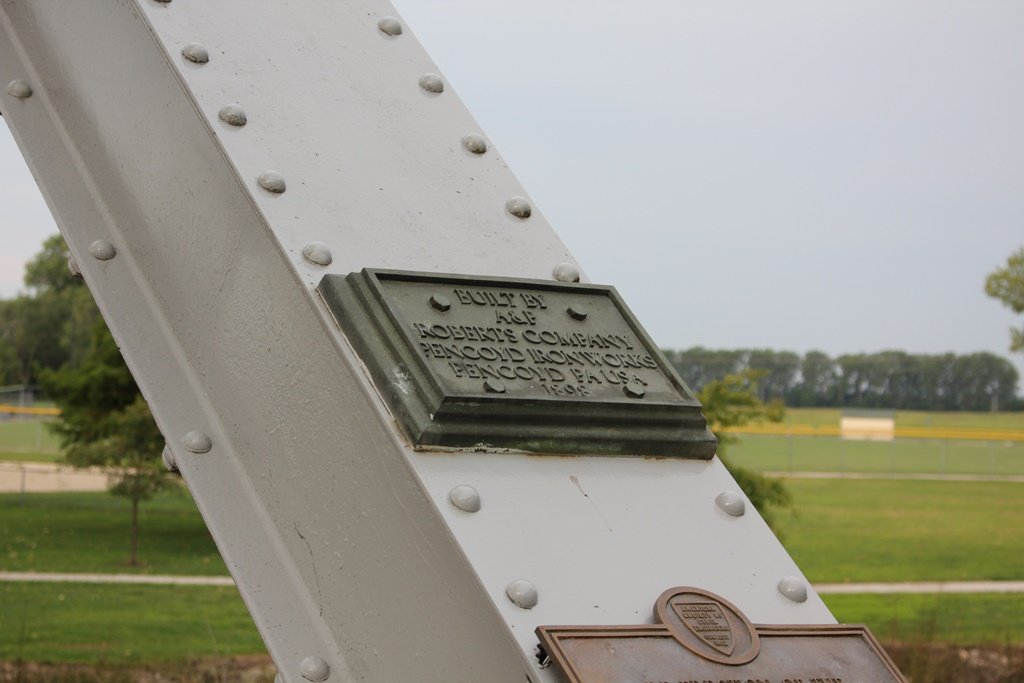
(545, 367)
(700, 637)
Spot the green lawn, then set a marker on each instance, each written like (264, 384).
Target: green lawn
(901, 456)
(20, 437)
(891, 530)
(88, 532)
(841, 530)
(76, 622)
(975, 619)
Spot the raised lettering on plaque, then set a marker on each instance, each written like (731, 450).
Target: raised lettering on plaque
(699, 637)
(482, 363)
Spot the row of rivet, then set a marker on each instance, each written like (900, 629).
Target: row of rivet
(311, 668)
(524, 594)
(274, 182)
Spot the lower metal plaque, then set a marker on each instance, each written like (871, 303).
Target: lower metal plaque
(544, 367)
(701, 638)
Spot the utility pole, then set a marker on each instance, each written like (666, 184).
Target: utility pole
(420, 440)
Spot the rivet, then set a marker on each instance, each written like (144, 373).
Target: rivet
(464, 497)
(20, 89)
(519, 207)
(522, 593)
(314, 669)
(390, 25)
(432, 83)
(494, 386)
(233, 115)
(168, 459)
(271, 181)
(566, 272)
(195, 52)
(73, 267)
(475, 143)
(577, 311)
(731, 503)
(102, 250)
(197, 442)
(634, 389)
(440, 302)
(317, 253)
(793, 588)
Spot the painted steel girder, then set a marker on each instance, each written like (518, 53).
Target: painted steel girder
(340, 535)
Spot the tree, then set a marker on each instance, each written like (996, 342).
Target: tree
(49, 325)
(1007, 285)
(732, 402)
(105, 422)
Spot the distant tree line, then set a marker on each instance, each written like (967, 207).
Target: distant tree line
(886, 379)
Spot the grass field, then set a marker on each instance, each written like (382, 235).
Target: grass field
(878, 530)
(76, 622)
(901, 456)
(977, 619)
(28, 440)
(88, 532)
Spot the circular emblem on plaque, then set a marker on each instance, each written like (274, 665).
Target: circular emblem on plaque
(708, 625)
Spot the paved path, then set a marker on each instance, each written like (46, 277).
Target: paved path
(119, 578)
(45, 477)
(923, 587)
(887, 475)
(823, 588)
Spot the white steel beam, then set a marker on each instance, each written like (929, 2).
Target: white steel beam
(341, 537)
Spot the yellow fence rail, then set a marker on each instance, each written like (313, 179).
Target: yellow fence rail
(959, 434)
(27, 410)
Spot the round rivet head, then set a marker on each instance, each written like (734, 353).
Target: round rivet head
(390, 26)
(314, 669)
(566, 272)
(475, 143)
(522, 593)
(465, 498)
(731, 503)
(432, 83)
(494, 386)
(197, 442)
(317, 253)
(519, 207)
(195, 52)
(793, 588)
(20, 89)
(439, 302)
(577, 312)
(73, 267)
(271, 181)
(169, 464)
(102, 250)
(634, 389)
(233, 115)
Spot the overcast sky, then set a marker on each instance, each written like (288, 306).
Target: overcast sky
(809, 175)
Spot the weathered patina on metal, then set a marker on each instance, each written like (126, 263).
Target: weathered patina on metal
(533, 365)
(700, 637)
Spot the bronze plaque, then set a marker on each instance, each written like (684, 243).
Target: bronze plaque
(545, 367)
(700, 637)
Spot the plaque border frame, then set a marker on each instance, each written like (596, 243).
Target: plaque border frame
(435, 420)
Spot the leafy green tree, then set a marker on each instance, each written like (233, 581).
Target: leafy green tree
(1007, 285)
(105, 422)
(49, 325)
(732, 402)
